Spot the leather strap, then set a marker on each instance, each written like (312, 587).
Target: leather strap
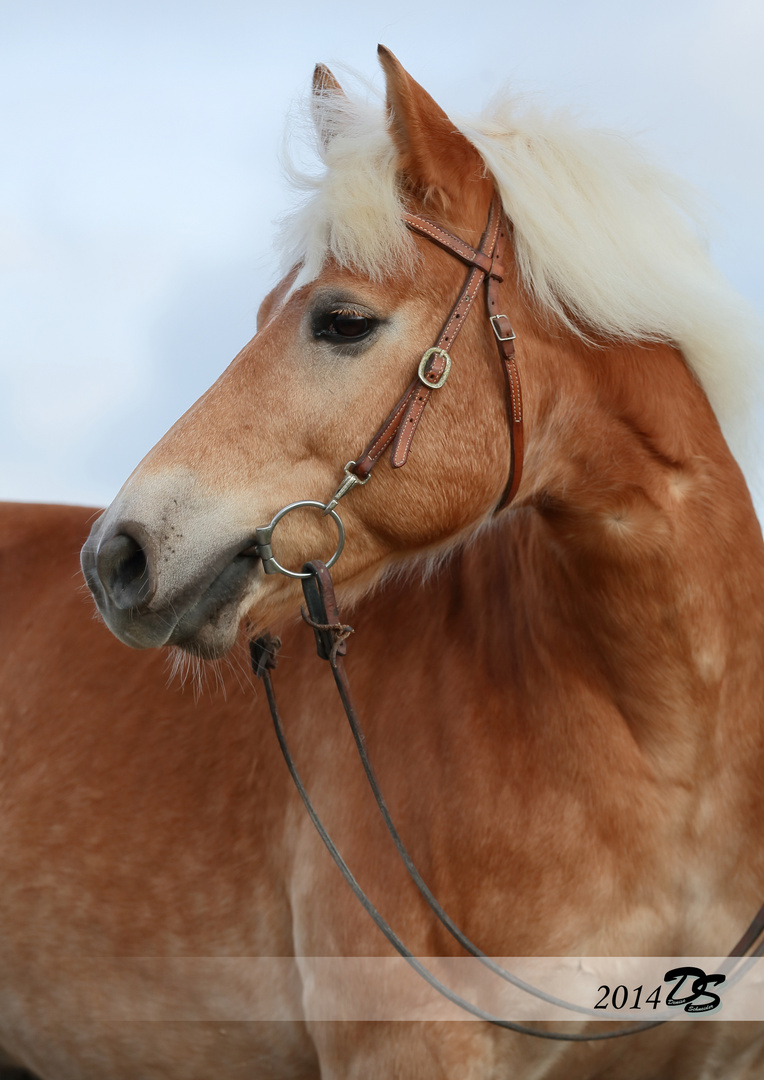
(422, 394)
(449, 242)
(485, 265)
(505, 339)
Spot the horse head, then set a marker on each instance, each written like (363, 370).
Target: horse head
(621, 324)
(338, 340)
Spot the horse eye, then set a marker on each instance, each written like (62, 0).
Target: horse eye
(345, 325)
(351, 325)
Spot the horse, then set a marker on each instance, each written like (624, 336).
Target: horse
(561, 691)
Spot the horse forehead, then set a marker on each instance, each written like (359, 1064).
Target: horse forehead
(435, 273)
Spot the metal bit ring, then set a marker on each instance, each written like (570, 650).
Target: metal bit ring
(265, 532)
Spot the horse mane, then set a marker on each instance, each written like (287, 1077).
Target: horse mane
(607, 243)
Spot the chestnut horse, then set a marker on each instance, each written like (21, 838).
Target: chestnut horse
(562, 698)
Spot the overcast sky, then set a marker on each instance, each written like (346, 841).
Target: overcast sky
(139, 177)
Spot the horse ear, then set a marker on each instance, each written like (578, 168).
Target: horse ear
(326, 90)
(324, 83)
(435, 158)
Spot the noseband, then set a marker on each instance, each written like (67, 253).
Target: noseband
(331, 634)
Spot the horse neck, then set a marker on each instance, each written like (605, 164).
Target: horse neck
(627, 586)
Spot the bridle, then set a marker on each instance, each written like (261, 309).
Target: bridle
(485, 267)
(399, 428)
(321, 612)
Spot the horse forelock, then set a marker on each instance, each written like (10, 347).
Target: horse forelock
(606, 242)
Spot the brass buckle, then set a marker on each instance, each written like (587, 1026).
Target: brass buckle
(423, 364)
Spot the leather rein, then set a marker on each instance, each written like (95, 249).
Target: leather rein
(321, 612)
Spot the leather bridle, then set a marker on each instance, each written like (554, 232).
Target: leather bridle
(486, 266)
(434, 367)
(331, 633)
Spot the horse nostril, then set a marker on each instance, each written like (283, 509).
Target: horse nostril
(124, 571)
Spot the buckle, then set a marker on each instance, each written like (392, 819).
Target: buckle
(494, 323)
(429, 383)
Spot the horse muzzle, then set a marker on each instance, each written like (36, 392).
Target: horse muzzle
(152, 589)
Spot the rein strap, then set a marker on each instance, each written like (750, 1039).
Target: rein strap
(331, 636)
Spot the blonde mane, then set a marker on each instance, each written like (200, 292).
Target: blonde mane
(605, 240)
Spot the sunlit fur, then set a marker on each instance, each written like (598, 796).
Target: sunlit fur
(605, 240)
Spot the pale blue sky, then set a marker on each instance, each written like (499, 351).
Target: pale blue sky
(140, 180)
